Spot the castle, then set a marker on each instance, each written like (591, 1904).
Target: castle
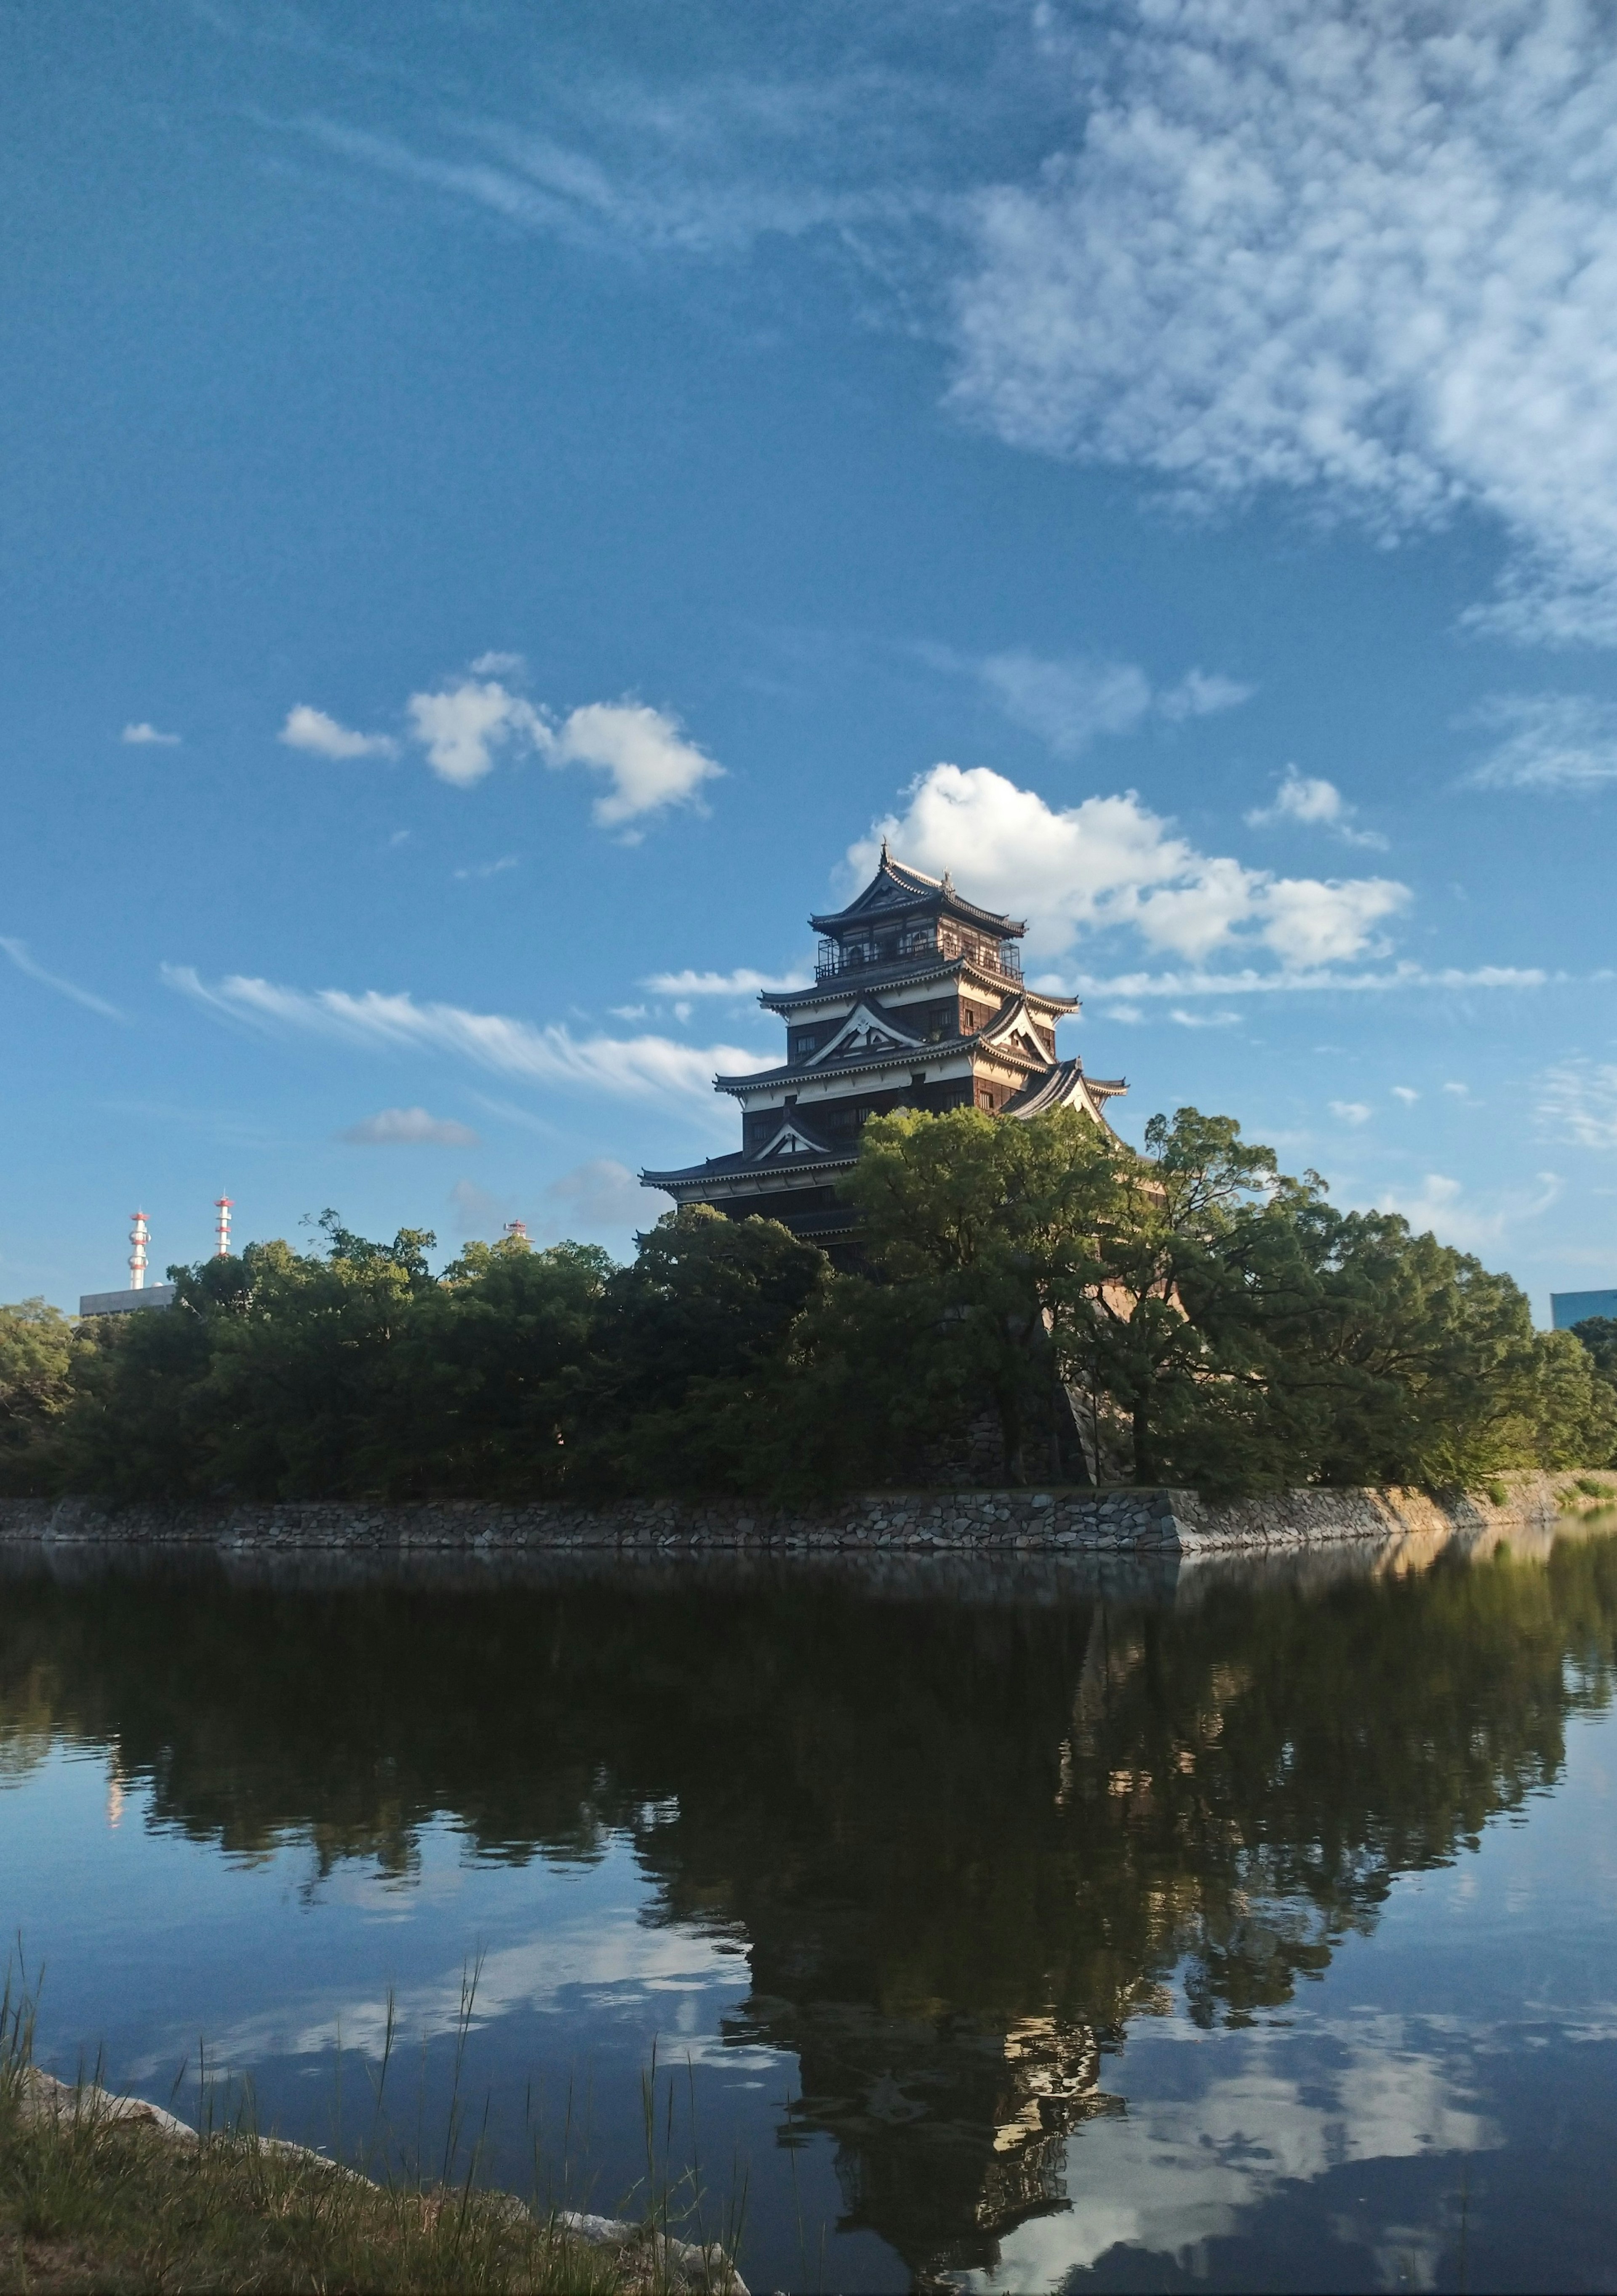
(917, 1002)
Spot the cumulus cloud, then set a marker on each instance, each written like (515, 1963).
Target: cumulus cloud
(1565, 741)
(18, 953)
(322, 737)
(1351, 1112)
(1111, 862)
(1359, 250)
(1577, 1101)
(1313, 803)
(464, 724)
(742, 982)
(635, 1067)
(1406, 1093)
(408, 1127)
(144, 736)
(644, 754)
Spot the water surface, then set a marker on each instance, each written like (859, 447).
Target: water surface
(1240, 1928)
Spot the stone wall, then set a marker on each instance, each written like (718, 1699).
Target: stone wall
(966, 1521)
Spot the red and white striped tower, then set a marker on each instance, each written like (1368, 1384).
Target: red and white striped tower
(517, 1230)
(140, 1235)
(221, 1226)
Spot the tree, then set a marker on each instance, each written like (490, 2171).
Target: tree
(986, 1238)
(35, 1357)
(492, 1362)
(688, 1350)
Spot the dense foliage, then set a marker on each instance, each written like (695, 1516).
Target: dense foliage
(1035, 1301)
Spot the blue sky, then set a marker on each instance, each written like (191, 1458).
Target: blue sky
(500, 505)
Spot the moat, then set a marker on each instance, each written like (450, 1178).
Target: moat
(1247, 1925)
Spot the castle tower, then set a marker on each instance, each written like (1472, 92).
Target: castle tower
(917, 1002)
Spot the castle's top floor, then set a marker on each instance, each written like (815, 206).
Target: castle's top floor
(904, 922)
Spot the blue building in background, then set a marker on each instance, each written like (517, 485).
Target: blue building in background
(1569, 1308)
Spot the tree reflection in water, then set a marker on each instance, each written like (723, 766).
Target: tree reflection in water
(963, 1842)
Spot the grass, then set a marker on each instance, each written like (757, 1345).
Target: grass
(95, 2194)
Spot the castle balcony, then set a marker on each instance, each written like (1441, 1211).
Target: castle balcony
(916, 944)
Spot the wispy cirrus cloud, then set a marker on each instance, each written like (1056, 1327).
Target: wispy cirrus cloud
(1576, 1101)
(1471, 1221)
(1253, 982)
(1367, 255)
(18, 953)
(1072, 701)
(742, 982)
(648, 1068)
(1564, 743)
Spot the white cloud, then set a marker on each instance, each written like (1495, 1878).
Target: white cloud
(602, 1194)
(462, 725)
(1471, 1225)
(408, 1127)
(1351, 1112)
(643, 753)
(1460, 1090)
(1193, 1020)
(476, 1211)
(322, 737)
(1313, 803)
(650, 765)
(634, 1067)
(1067, 703)
(1252, 982)
(1071, 701)
(1111, 862)
(1577, 1101)
(1202, 694)
(17, 952)
(1356, 249)
(144, 736)
(488, 869)
(742, 982)
(1406, 1093)
(1550, 742)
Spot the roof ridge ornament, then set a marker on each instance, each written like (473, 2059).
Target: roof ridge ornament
(886, 856)
(948, 882)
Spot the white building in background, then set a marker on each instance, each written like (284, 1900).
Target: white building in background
(139, 1292)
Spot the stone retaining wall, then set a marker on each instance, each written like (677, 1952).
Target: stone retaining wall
(1134, 1521)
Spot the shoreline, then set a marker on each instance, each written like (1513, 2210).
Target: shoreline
(1059, 1521)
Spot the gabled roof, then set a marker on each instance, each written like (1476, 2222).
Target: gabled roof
(897, 889)
(1014, 1029)
(869, 1027)
(1065, 1086)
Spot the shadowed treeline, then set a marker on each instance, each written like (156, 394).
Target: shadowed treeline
(963, 1845)
(1030, 1302)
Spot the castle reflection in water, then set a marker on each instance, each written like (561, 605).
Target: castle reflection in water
(964, 1843)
